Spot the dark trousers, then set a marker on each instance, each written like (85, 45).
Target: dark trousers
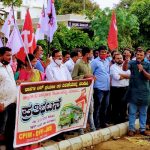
(119, 105)
(3, 118)
(148, 116)
(101, 102)
(8, 124)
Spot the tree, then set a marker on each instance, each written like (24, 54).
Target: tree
(128, 27)
(8, 3)
(125, 4)
(68, 39)
(74, 6)
(140, 8)
(14, 2)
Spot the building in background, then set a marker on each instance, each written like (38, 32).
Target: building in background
(35, 7)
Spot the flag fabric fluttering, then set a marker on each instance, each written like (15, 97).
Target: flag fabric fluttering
(15, 41)
(113, 33)
(28, 38)
(50, 20)
(7, 24)
(39, 35)
(1, 44)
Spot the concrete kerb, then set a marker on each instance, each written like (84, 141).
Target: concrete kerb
(93, 138)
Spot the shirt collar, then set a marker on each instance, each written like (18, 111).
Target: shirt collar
(1, 65)
(84, 62)
(71, 61)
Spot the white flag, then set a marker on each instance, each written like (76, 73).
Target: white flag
(7, 24)
(15, 41)
(39, 35)
(1, 44)
(51, 22)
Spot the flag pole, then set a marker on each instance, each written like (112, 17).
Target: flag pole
(48, 46)
(22, 40)
(48, 42)
(27, 54)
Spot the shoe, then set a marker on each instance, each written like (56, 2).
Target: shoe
(80, 131)
(145, 133)
(105, 125)
(93, 129)
(131, 133)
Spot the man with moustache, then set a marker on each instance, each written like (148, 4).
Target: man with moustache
(8, 96)
(138, 93)
(119, 84)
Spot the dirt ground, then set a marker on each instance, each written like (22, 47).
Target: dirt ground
(126, 143)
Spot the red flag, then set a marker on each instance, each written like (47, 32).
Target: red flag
(113, 33)
(28, 38)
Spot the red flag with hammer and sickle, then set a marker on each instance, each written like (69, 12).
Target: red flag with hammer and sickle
(28, 38)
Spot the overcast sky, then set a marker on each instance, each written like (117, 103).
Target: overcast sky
(106, 3)
(102, 3)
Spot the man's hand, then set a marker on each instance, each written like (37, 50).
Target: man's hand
(140, 67)
(18, 82)
(1, 107)
(90, 76)
(124, 76)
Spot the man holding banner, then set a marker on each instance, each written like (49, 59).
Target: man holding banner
(82, 70)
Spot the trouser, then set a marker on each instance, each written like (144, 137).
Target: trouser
(119, 105)
(148, 115)
(8, 125)
(90, 118)
(3, 119)
(133, 108)
(101, 102)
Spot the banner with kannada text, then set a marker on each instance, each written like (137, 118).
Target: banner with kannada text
(45, 109)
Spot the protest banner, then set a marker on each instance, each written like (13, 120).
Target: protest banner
(45, 109)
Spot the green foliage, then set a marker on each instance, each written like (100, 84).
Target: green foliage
(141, 9)
(14, 2)
(125, 4)
(74, 6)
(100, 26)
(68, 39)
(128, 28)
(127, 24)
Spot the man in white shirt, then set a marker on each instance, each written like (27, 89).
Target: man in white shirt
(119, 84)
(56, 71)
(72, 61)
(8, 96)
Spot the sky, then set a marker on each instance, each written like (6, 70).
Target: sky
(102, 3)
(106, 3)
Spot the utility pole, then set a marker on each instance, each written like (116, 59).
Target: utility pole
(84, 4)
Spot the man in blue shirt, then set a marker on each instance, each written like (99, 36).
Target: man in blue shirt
(100, 68)
(38, 53)
(147, 57)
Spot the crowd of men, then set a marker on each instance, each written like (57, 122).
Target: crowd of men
(121, 84)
